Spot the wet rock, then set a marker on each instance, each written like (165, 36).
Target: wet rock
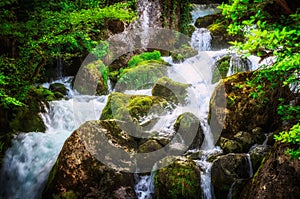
(90, 81)
(181, 54)
(58, 87)
(245, 139)
(235, 189)
(257, 154)
(204, 22)
(174, 92)
(181, 179)
(230, 146)
(78, 171)
(149, 146)
(278, 177)
(226, 170)
(187, 124)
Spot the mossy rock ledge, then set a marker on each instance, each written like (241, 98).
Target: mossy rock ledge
(78, 173)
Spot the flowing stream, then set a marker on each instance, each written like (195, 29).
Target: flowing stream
(28, 162)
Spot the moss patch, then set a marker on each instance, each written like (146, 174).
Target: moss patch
(174, 92)
(181, 179)
(121, 106)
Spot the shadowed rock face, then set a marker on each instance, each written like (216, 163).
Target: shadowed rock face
(226, 170)
(79, 174)
(279, 177)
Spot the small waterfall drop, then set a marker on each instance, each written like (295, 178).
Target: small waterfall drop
(250, 166)
(27, 163)
(201, 39)
(59, 68)
(238, 64)
(145, 186)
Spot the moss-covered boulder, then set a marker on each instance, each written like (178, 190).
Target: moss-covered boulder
(58, 87)
(78, 171)
(91, 79)
(230, 146)
(242, 141)
(228, 169)
(187, 122)
(277, 177)
(142, 76)
(132, 107)
(239, 113)
(181, 179)
(173, 92)
(181, 54)
(204, 22)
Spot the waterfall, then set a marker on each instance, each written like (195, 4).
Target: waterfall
(145, 186)
(238, 64)
(27, 163)
(201, 39)
(250, 166)
(59, 68)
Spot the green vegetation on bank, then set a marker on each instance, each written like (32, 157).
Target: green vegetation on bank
(34, 35)
(37, 33)
(269, 31)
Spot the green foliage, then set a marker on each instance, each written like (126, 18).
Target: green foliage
(265, 34)
(135, 60)
(292, 136)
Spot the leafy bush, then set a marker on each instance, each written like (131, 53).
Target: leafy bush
(269, 33)
(292, 136)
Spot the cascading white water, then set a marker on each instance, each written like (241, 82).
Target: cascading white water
(238, 64)
(145, 186)
(201, 39)
(28, 162)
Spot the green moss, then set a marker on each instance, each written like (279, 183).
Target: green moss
(146, 56)
(186, 51)
(142, 76)
(178, 180)
(52, 174)
(66, 195)
(174, 92)
(121, 106)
